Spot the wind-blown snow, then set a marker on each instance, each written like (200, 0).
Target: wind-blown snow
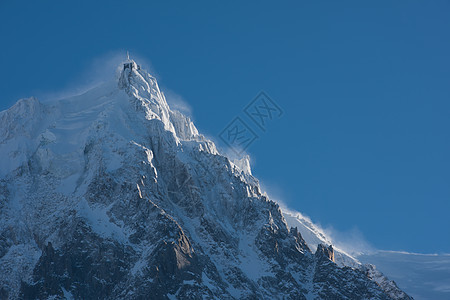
(423, 276)
(314, 235)
(73, 151)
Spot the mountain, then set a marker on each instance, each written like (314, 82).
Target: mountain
(424, 276)
(113, 195)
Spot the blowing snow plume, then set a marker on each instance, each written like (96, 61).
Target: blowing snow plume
(111, 194)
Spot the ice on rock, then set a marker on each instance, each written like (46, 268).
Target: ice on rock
(112, 195)
(243, 164)
(20, 120)
(47, 137)
(145, 90)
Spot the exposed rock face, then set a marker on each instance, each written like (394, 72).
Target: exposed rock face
(388, 285)
(325, 252)
(111, 195)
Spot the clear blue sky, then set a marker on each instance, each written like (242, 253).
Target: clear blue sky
(364, 140)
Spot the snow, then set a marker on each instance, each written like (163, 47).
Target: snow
(47, 137)
(207, 281)
(172, 297)
(58, 136)
(423, 276)
(14, 153)
(243, 164)
(250, 261)
(311, 233)
(68, 295)
(314, 235)
(17, 265)
(100, 222)
(68, 185)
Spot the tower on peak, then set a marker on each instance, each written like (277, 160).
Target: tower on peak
(130, 64)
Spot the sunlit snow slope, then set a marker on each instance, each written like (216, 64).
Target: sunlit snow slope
(113, 195)
(423, 276)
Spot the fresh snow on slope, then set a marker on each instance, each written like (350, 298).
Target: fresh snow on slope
(423, 276)
(114, 184)
(314, 235)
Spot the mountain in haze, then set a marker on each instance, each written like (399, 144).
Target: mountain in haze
(113, 195)
(422, 276)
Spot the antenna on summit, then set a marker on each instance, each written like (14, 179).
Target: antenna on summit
(130, 64)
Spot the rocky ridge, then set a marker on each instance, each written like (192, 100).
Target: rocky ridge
(112, 195)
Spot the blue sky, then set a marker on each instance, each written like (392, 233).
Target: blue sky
(363, 144)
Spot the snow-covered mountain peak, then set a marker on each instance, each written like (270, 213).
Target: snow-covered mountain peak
(115, 180)
(146, 96)
(127, 108)
(143, 87)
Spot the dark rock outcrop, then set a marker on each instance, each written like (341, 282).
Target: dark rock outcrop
(118, 197)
